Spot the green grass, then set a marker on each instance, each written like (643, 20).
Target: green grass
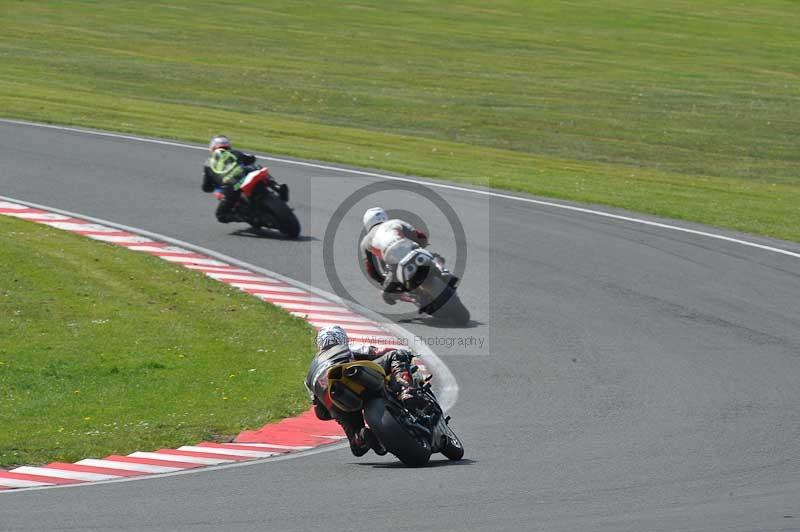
(683, 109)
(106, 350)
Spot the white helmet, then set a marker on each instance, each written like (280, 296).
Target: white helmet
(373, 217)
(219, 142)
(331, 336)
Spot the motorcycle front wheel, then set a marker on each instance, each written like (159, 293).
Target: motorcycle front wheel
(453, 449)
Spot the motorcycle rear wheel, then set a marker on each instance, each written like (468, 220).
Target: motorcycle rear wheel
(283, 216)
(454, 311)
(395, 439)
(447, 306)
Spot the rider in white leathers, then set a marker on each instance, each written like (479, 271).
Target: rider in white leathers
(386, 243)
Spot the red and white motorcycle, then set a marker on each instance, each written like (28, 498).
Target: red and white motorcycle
(264, 203)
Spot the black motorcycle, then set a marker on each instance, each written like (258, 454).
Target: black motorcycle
(411, 434)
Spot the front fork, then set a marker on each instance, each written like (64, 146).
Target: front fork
(281, 189)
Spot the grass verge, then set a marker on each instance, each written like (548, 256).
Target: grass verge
(684, 109)
(106, 350)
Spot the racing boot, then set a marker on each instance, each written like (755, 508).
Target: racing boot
(359, 442)
(226, 210)
(360, 437)
(225, 213)
(366, 435)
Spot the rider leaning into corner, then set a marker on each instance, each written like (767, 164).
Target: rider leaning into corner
(225, 169)
(386, 243)
(332, 343)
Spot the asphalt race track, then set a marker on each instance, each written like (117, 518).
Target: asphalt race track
(631, 377)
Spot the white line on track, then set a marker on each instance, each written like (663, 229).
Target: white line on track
(480, 192)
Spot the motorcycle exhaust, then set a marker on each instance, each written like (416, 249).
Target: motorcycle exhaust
(345, 398)
(421, 260)
(369, 378)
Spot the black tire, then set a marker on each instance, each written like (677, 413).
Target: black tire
(285, 220)
(453, 450)
(447, 306)
(393, 436)
(454, 311)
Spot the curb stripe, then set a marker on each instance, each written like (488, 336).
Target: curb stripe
(238, 448)
(163, 457)
(9, 478)
(337, 313)
(222, 269)
(93, 469)
(275, 286)
(194, 260)
(80, 227)
(98, 235)
(121, 239)
(198, 454)
(8, 206)
(244, 446)
(63, 474)
(38, 216)
(129, 466)
(275, 446)
(240, 277)
(274, 297)
(166, 462)
(226, 452)
(344, 321)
